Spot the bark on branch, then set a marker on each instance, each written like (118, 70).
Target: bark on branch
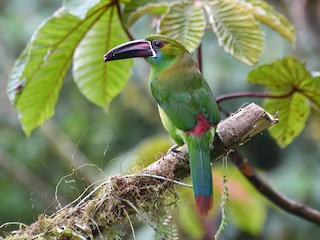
(111, 203)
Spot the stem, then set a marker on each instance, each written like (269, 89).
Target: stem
(229, 96)
(199, 57)
(122, 23)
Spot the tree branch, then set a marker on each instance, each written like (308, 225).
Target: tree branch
(277, 198)
(107, 207)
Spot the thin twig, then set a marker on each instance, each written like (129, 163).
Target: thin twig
(66, 148)
(229, 96)
(69, 175)
(130, 222)
(122, 23)
(13, 223)
(144, 218)
(199, 57)
(90, 193)
(97, 227)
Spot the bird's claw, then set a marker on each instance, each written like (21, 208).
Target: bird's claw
(176, 152)
(174, 149)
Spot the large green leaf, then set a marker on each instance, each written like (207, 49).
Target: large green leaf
(101, 82)
(79, 8)
(236, 29)
(288, 75)
(136, 8)
(293, 113)
(186, 23)
(310, 87)
(266, 14)
(15, 84)
(295, 87)
(42, 66)
(281, 75)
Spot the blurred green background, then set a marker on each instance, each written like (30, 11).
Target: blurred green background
(81, 134)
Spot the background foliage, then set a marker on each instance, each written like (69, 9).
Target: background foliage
(82, 133)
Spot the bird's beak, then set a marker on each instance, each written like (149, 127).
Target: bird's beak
(137, 48)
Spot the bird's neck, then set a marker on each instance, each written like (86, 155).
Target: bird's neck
(169, 69)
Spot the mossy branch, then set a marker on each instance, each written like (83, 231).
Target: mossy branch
(112, 202)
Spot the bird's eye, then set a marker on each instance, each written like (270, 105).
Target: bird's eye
(158, 43)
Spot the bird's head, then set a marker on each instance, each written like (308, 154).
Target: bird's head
(156, 49)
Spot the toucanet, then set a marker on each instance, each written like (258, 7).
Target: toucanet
(186, 104)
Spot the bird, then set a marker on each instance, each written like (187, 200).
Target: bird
(186, 104)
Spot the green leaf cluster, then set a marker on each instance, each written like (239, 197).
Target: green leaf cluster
(292, 87)
(82, 31)
(137, 8)
(236, 23)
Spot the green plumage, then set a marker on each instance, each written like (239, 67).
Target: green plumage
(186, 104)
(179, 88)
(182, 94)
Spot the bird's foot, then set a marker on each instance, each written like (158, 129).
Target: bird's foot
(173, 149)
(176, 152)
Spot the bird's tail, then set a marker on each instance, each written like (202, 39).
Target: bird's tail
(201, 173)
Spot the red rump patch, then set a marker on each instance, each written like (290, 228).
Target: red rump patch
(202, 126)
(204, 204)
